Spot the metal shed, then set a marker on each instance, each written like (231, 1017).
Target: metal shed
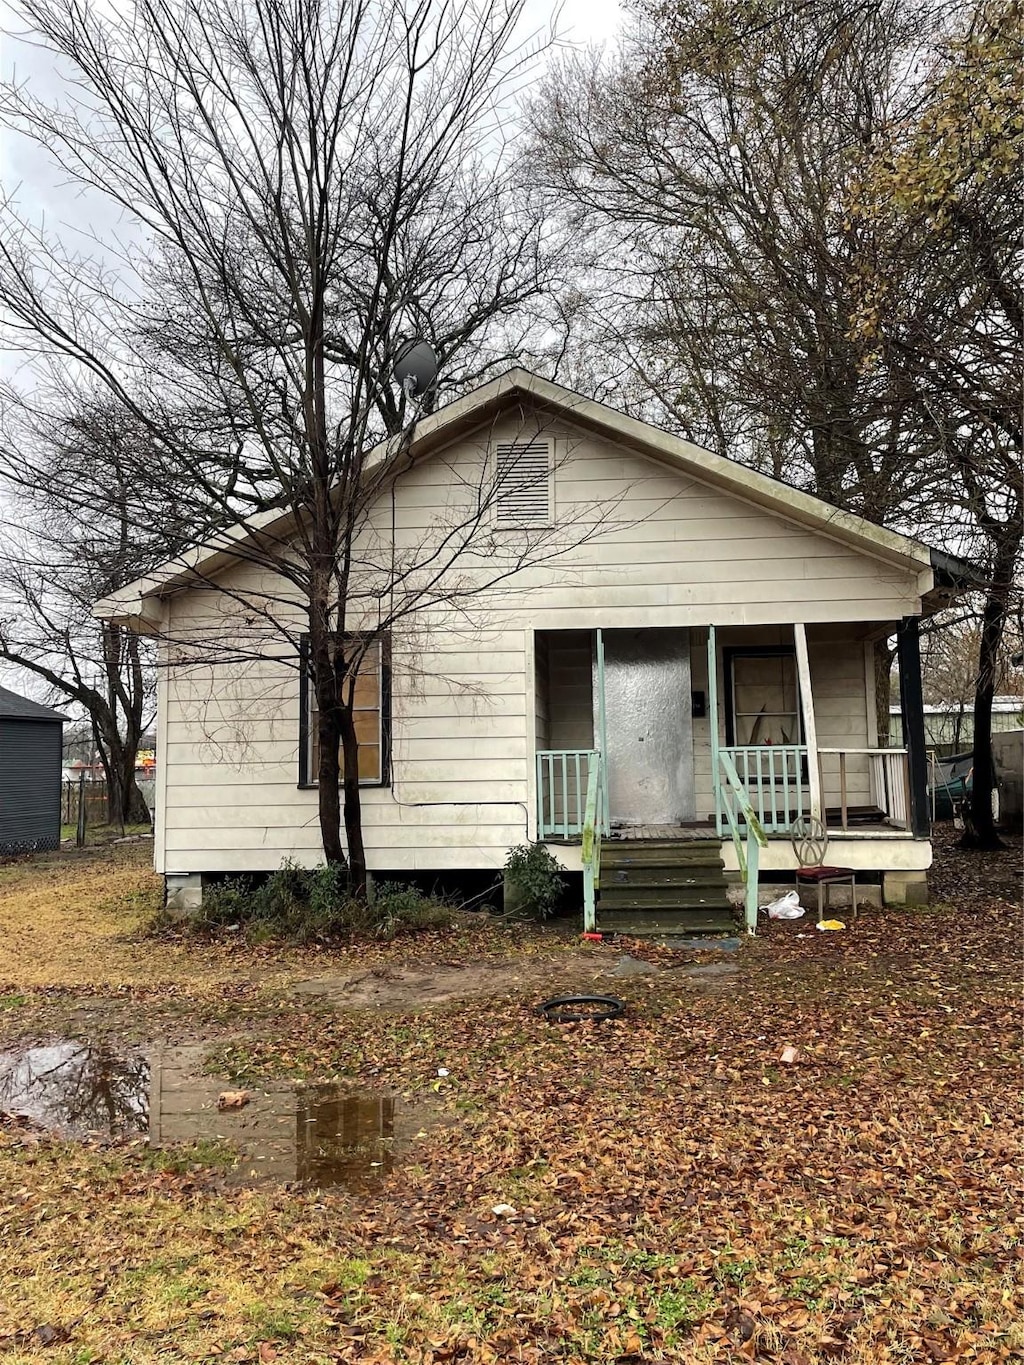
(30, 774)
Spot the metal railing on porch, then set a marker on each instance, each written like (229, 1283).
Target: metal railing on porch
(563, 779)
(743, 821)
(594, 816)
(775, 779)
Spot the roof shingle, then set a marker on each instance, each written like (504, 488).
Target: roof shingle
(13, 707)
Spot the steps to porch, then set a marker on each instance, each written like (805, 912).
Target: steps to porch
(664, 886)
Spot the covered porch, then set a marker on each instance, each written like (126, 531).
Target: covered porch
(680, 735)
(671, 716)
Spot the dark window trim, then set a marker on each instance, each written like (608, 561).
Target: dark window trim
(307, 782)
(731, 652)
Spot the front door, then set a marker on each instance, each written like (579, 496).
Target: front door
(646, 723)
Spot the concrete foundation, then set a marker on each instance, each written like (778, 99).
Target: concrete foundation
(867, 894)
(183, 893)
(905, 888)
(512, 896)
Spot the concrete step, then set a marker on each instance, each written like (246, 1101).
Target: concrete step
(660, 857)
(662, 876)
(649, 922)
(641, 900)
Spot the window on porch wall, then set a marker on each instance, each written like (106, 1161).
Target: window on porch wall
(765, 698)
(764, 729)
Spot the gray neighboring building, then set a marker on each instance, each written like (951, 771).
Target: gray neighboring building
(30, 775)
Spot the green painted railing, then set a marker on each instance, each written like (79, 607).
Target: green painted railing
(593, 823)
(563, 781)
(775, 782)
(735, 803)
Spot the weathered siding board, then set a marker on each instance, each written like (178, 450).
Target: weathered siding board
(704, 802)
(470, 705)
(837, 677)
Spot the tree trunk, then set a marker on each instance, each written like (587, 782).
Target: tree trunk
(979, 824)
(353, 804)
(125, 803)
(133, 803)
(328, 778)
(324, 681)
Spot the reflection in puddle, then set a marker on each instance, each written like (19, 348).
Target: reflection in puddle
(75, 1089)
(318, 1135)
(344, 1139)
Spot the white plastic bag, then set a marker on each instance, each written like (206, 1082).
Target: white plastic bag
(786, 907)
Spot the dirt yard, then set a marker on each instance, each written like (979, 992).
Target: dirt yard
(803, 1151)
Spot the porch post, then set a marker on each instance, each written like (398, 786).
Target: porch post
(803, 672)
(601, 738)
(908, 653)
(713, 725)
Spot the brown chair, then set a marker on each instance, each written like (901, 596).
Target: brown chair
(810, 844)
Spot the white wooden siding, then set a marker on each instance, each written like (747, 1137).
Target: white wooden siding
(466, 717)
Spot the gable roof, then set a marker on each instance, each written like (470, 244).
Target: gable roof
(15, 707)
(468, 413)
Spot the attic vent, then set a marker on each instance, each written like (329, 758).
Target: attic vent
(523, 490)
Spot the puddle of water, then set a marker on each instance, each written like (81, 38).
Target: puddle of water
(320, 1136)
(348, 1139)
(75, 1089)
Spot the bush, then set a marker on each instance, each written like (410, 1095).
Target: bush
(308, 905)
(537, 878)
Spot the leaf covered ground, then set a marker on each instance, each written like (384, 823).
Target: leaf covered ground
(668, 1188)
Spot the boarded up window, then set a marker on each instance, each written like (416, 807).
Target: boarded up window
(523, 483)
(368, 714)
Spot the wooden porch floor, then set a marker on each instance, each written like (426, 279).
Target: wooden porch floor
(695, 829)
(700, 830)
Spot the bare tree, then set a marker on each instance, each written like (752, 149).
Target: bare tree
(311, 182)
(853, 331)
(705, 167)
(77, 534)
(949, 665)
(943, 308)
(709, 160)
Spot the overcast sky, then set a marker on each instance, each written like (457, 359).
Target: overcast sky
(41, 190)
(38, 182)
(83, 218)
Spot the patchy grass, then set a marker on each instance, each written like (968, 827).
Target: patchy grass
(106, 834)
(677, 1192)
(76, 921)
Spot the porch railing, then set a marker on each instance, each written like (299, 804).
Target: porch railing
(775, 783)
(590, 852)
(563, 777)
(735, 805)
(887, 774)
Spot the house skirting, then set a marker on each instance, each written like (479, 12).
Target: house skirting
(901, 861)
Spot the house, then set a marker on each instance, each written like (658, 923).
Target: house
(949, 726)
(30, 775)
(658, 700)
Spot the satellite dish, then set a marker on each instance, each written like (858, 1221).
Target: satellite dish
(416, 367)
